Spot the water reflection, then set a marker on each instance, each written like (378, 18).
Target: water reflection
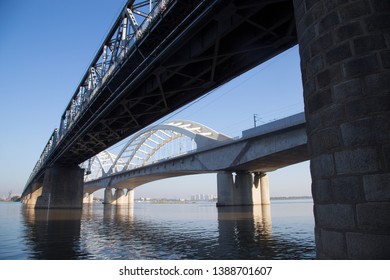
(241, 228)
(147, 231)
(247, 233)
(52, 234)
(118, 213)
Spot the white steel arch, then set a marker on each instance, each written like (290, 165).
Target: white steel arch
(142, 147)
(99, 165)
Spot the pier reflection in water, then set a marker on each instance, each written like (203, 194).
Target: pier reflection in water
(242, 227)
(53, 234)
(148, 231)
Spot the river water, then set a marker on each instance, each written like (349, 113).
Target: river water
(284, 230)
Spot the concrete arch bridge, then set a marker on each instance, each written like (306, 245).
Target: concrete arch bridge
(180, 148)
(149, 146)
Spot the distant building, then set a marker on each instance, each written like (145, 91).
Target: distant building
(203, 197)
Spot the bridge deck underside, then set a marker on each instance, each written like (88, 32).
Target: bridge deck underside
(192, 50)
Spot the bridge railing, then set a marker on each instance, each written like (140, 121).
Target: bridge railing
(44, 155)
(120, 41)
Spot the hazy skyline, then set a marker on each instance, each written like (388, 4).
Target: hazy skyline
(45, 49)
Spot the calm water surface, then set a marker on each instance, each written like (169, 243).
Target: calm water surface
(159, 231)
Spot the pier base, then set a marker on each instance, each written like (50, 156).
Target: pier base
(62, 188)
(107, 196)
(88, 198)
(30, 200)
(243, 190)
(345, 65)
(120, 197)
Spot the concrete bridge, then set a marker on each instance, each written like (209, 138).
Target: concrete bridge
(155, 60)
(260, 150)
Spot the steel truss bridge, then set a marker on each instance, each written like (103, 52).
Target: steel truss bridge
(158, 56)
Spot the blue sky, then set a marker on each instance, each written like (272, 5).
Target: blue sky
(45, 49)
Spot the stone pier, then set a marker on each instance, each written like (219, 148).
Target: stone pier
(30, 200)
(345, 63)
(244, 189)
(62, 187)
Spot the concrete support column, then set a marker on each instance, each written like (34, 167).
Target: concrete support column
(130, 196)
(85, 198)
(345, 64)
(264, 189)
(88, 198)
(62, 188)
(241, 191)
(120, 197)
(246, 192)
(107, 196)
(225, 189)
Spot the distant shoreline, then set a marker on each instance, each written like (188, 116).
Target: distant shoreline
(290, 197)
(175, 201)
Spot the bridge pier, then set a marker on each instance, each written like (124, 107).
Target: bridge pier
(264, 189)
(88, 198)
(120, 197)
(225, 189)
(245, 189)
(107, 196)
(31, 199)
(130, 196)
(62, 187)
(345, 64)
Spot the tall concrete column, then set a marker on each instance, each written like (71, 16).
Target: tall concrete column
(107, 196)
(264, 189)
(225, 189)
(130, 196)
(120, 197)
(241, 191)
(246, 192)
(345, 64)
(88, 198)
(62, 188)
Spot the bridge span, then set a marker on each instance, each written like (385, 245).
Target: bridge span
(163, 54)
(259, 150)
(158, 56)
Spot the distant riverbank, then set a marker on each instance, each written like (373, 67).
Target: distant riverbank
(290, 197)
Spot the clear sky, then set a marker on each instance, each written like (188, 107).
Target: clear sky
(45, 49)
